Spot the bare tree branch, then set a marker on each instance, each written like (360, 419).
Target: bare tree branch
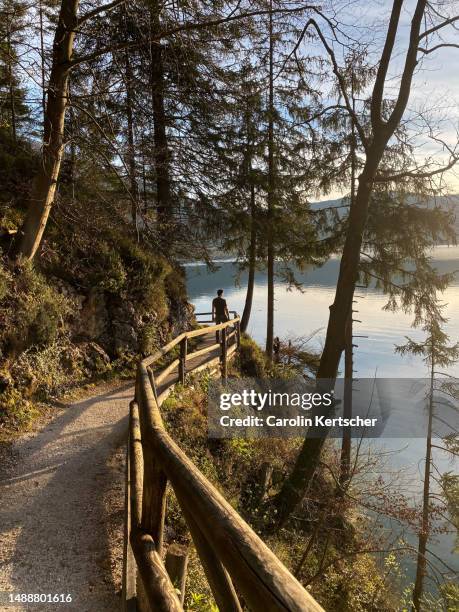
(378, 89)
(101, 9)
(341, 82)
(438, 27)
(381, 178)
(184, 28)
(439, 46)
(410, 65)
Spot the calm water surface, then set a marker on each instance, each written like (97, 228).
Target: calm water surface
(301, 313)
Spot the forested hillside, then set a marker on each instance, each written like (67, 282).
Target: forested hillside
(137, 136)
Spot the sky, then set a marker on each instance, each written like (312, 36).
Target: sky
(435, 89)
(436, 84)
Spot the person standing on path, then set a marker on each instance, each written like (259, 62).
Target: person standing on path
(220, 312)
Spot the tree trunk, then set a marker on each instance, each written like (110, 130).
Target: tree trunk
(44, 186)
(72, 160)
(348, 273)
(346, 443)
(131, 147)
(271, 197)
(11, 84)
(252, 260)
(308, 459)
(161, 152)
(295, 485)
(144, 174)
(345, 468)
(425, 523)
(42, 62)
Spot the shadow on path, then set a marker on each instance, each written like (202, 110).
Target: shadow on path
(62, 505)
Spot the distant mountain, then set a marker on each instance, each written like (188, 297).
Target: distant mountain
(447, 202)
(327, 204)
(451, 203)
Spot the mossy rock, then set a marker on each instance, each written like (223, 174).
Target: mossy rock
(34, 311)
(252, 360)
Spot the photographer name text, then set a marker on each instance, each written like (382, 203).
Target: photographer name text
(297, 421)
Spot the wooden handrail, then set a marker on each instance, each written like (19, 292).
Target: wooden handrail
(194, 333)
(156, 588)
(230, 551)
(200, 314)
(167, 370)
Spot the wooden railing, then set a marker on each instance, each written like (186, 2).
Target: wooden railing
(235, 560)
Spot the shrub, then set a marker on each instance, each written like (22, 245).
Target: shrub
(109, 274)
(44, 373)
(16, 412)
(5, 282)
(34, 313)
(146, 275)
(148, 339)
(252, 361)
(450, 593)
(176, 285)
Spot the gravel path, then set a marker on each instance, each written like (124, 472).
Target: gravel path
(62, 503)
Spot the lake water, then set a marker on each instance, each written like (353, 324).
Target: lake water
(299, 313)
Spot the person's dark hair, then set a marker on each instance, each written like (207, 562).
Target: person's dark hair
(219, 292)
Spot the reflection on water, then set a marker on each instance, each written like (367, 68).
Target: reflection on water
(301, 313)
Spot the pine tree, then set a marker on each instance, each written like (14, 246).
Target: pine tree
(13, 108)
(381, 121)
(436, 353)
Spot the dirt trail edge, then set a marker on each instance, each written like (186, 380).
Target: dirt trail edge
(62, 504)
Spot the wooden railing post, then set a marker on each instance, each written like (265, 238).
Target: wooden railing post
(129, 564)
(218, 578)
(238, 333)
(153, 509)
(224, 354)
(153, 499)
(182, 364)
(176, 566)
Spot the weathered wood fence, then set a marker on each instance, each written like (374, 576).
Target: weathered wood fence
(241, 570)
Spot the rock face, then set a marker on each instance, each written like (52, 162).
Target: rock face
(95, 359)
(181, 317)
(92, 322)
(124, 327)
(110, 321)
(109, 325)
(89, 357)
